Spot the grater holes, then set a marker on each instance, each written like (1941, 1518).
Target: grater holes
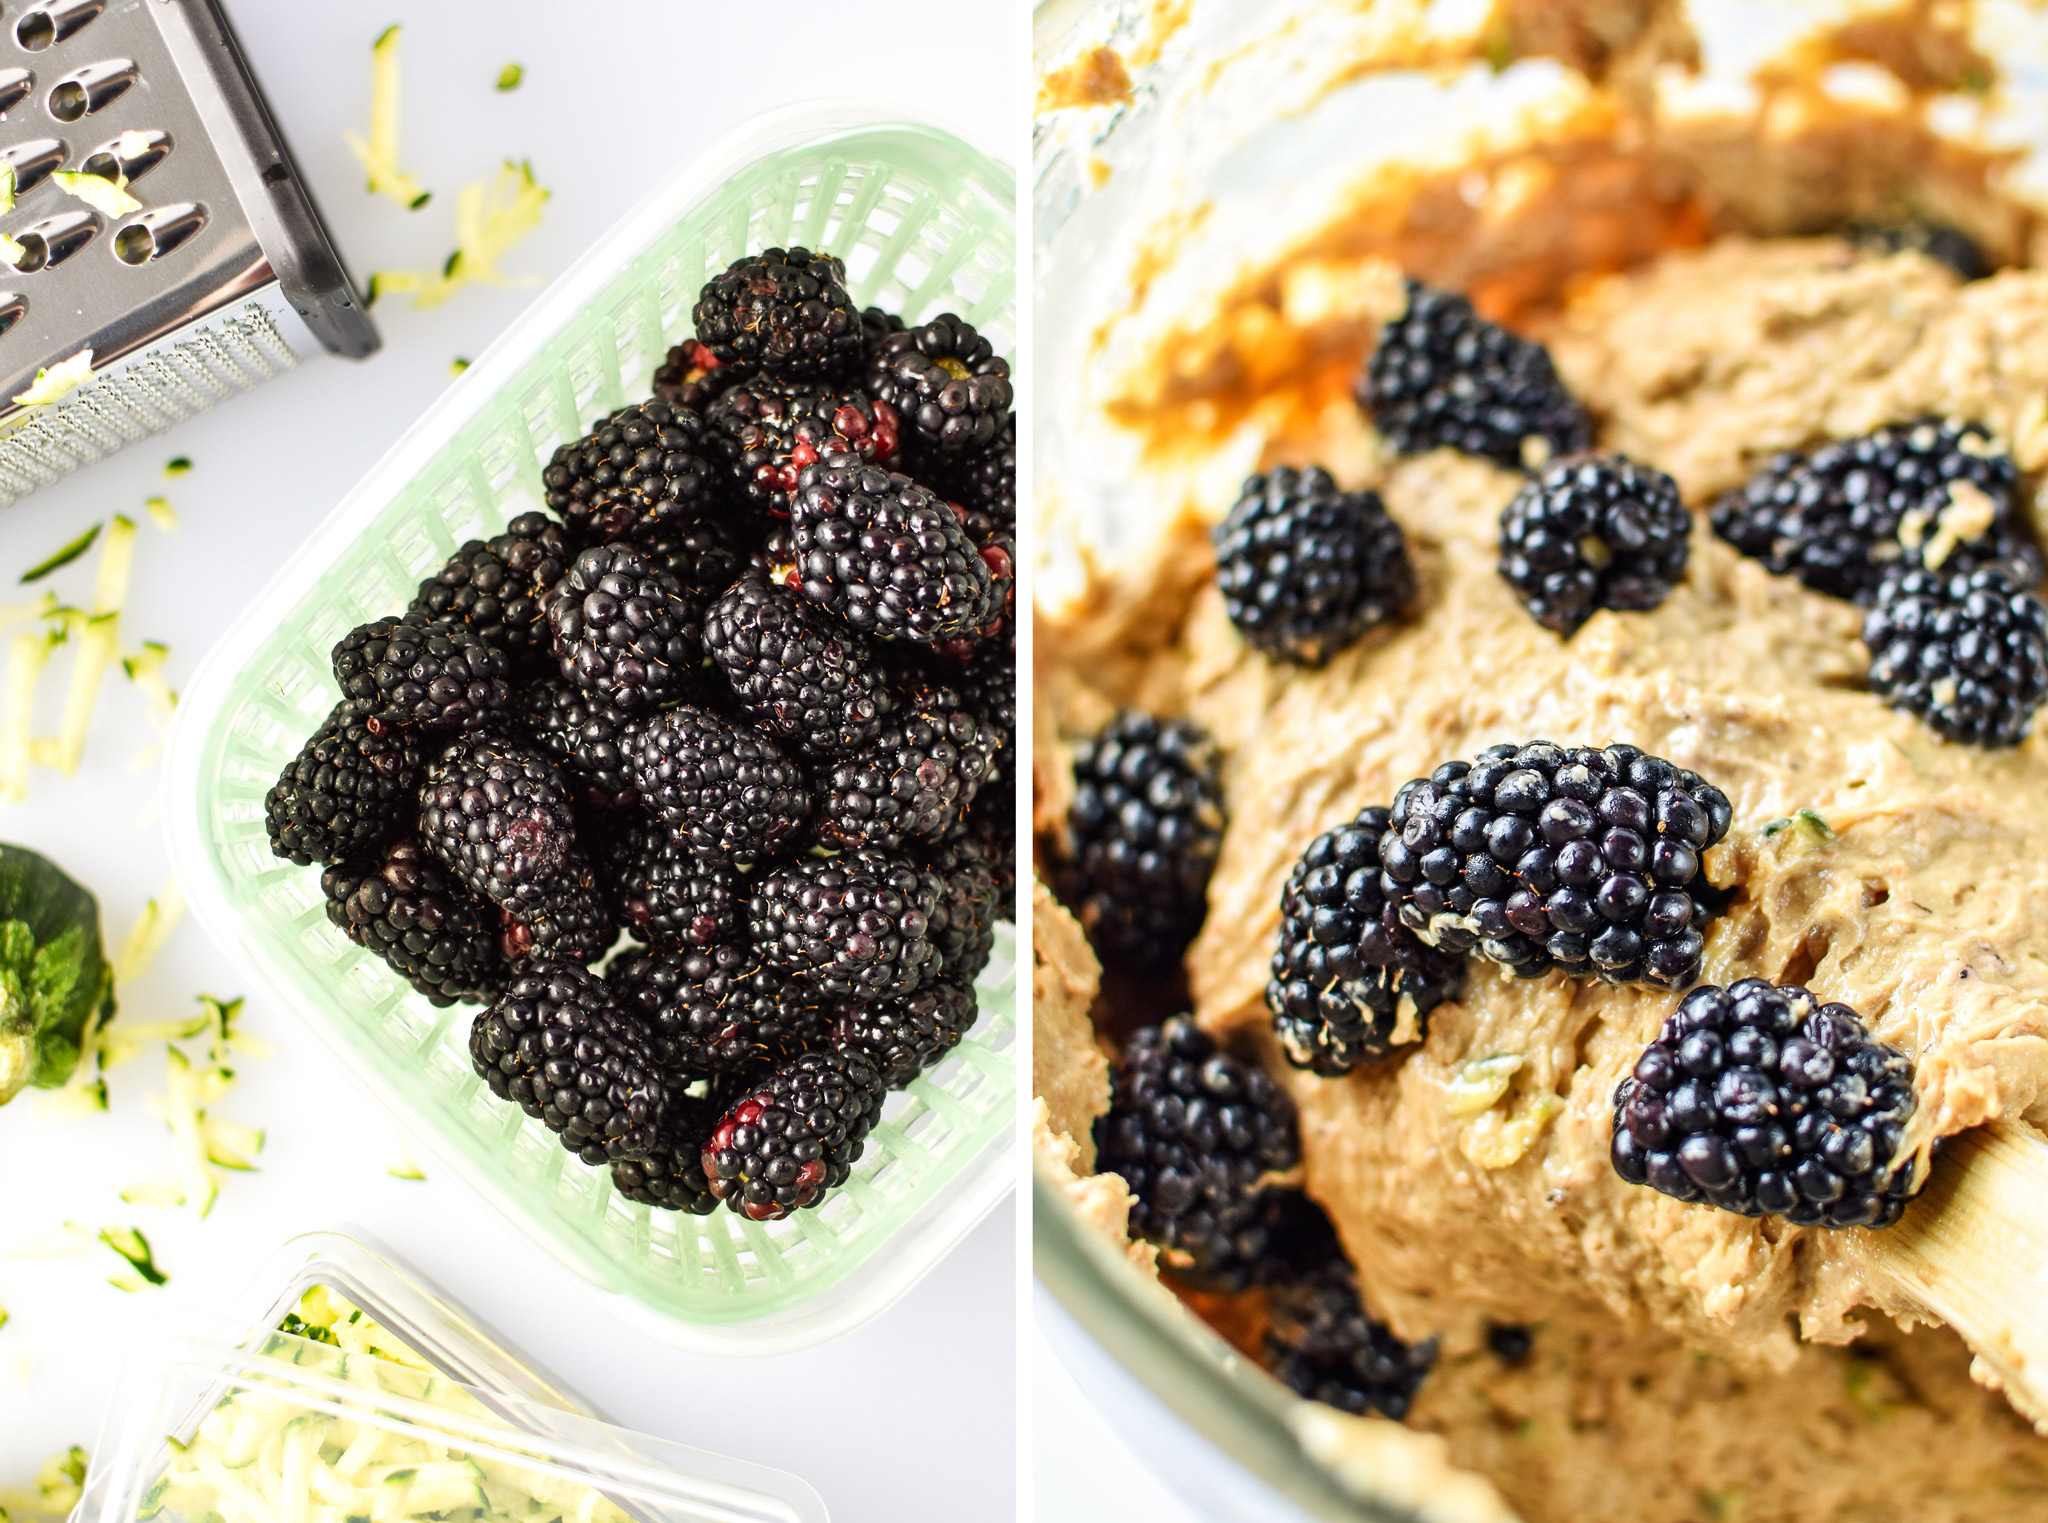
(158, 232)
(92, 88)
(12, 309)
(132, 154)
(52, 21)
(33, 162)
(16, 86)
(55, 239)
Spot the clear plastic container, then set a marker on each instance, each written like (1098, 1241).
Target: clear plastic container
(257, 1425)
(926, 224)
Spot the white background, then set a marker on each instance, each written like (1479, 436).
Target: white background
(910, 1417)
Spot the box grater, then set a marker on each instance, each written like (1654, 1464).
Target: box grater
(224, 278)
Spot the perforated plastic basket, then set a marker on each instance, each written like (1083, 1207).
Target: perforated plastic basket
(925, 224)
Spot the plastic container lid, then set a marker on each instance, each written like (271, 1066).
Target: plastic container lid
(925, 224)
(257, 1425)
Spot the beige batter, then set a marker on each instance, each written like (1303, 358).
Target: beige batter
(1469, 1175)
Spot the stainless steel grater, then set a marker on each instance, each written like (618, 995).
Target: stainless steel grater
(223, 279)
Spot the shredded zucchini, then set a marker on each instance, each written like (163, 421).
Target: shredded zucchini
(110, 198)
(65, 556)
(57, 380)
(57, 1488)
(379, 155)
(489, 222)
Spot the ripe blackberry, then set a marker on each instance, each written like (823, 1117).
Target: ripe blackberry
(963, 926)
(1144, 829)
(784, 311)
(497, 813)
(353, 787)
(725, 788)
(661, 891)
(764, 432)
(585, 736)
(640, 469)
(793, 669)
(566, 919)
(946, 382)
(1194, 1132)
(493, 588)
(984, 483)
(857, 925)
(1761, 1100)
(875, 327)
(1853, 510)
(914, 779)
(905, 1036)
(671, 1177)
(1319, 1342)
(794, 1135)
(988, 684)
(705, 558)
(556, 1044)
(1966, 652)
(1344, 961)
(1937, 240)
(1593, 531)
(887, 555)
(692, 377)
(437, 676)
(992, 822)
(1444, 376)
(1306, 569)
(718, 1010)
(1541, 856)
(624, 632)
(411, 912)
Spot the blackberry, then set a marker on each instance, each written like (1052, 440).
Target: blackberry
(914, 779)
(588, 738)
(1844, 515)
(794, 1135)
(945, 381)
(1193, 1131)
(1144, 829)
(1967, 653)
(725, 788)
(988, 685)
(886, 555)
(857, 925)
(784, 311)
(705, 558)
(764, 432)
(1761, 1100)
(1344, 961)
(1319, 1341)
(1306, 569)
(411, 912)
(497, 813)
(639, 469)
(984, 483)
(692, 377)
(1442, 375)
(718, 1010)
(1937, 240)
(661, 891)
(875, 327)
(1541, 856)
(905, 1036)
(1511, 1342)
(992, 823)
(352, 788)
(437, 676)
(565, 919)
(493, 588)
(808, 680)
(624, 632)
(963, 926)
(1593, 531)
(671, 1176)
(556, 1044)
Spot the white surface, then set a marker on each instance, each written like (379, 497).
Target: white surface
(1081, 1470)
(612, 91)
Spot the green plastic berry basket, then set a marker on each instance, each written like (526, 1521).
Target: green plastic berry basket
(925, 223)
